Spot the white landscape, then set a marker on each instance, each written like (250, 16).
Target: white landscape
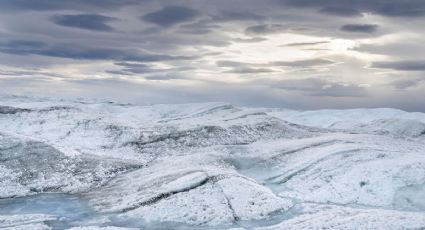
(86, 164)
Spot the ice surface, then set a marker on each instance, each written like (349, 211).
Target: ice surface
(208, 166)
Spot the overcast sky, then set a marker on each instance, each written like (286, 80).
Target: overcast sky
(302, 54)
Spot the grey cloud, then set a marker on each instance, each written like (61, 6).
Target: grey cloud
(163, 77)
(130, 68)
(340, 11)
(131, 65)
(390, 8)
(171, 15)
(244, 67)
(198, 27)
(225, 63)
(43, 5)
(137, 68)
(304, 63)
(359, 28)
(317, 49)
(63, 51)
(238, 16)
(250, 40)
(320, 87)
(21, 47)
(341, 90)
(404, 49)
(26, 73)
(84, 21)
(306, 43)
(130, 71)
(143, 49)
(119, 72)
(212, 54)
(157, 57)
(401, 65)
(296, 64)
(406, 83)
(248, 70)
(195, 31)
(409, 8)
(23, 44)
(266, 29)
(15, 73)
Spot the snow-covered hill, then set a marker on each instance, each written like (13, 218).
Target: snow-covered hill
(381, 121)
(209, 165)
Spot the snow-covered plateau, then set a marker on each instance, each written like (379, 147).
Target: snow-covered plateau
(88, 164)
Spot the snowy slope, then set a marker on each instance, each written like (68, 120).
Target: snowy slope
(379, 121)
(213, 165)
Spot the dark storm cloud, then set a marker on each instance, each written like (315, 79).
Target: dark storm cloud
(171, 15)
(238, 16)
(266, 29)
(340, 11)
(22, 47)
(390, 8)
(359, 28)
(84, 21)
(401, 65)
(44, 5)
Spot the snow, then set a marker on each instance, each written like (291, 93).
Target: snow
(315, 216)
(100, 228)
(213, 165)
(250, 200)
(28, 167)
(384, 120)
(29, 221)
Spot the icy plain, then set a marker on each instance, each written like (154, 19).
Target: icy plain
(85, 164)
